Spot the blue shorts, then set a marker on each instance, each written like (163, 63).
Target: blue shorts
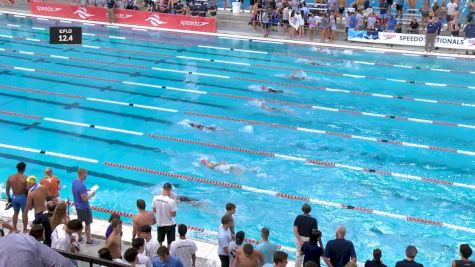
(18, 202)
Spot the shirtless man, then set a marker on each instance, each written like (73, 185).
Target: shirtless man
(114, 241)
(17, 182)
(36, 196)
(341, 9)
(247, 256)
(143, 218)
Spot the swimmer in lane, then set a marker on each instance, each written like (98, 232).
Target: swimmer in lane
(298, 75)
(223, 167)
(202, 127)
(184, 199)
(269, 108)
(271, 90)
(313, 63)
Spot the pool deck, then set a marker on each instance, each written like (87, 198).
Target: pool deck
(236, 26)
(207, 254)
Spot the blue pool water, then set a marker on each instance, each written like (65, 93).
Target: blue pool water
(74, 99)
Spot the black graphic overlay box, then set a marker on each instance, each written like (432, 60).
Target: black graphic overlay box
(65, 35)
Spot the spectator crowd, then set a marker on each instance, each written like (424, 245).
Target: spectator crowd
(52, 228)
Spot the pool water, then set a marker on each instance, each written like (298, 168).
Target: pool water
(54, 88)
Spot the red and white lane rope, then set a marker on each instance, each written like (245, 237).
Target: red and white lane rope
(371, 63)
(218, 117)
(326, 89)
(293, 197)
(314, 161)
(249, 151)
(322, 108)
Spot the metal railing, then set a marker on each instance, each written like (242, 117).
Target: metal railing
(89, 259)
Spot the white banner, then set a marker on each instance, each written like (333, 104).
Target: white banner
(410, 39)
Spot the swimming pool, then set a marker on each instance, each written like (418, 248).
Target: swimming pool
(390, 136)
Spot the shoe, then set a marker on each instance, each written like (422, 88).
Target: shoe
(8, 206)
(90, 242)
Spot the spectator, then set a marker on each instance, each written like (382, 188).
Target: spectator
(352, 23)
(235, 245)
(110, 10)
(112, 217)
(414, 25)
(17, 183)
(53, 184)
(391, 24)
(465, 253)
(341, 9)
(81, 202)
(164, 208)
(60, 215)
(37, 231)
(399, 8)
(285, 18)
(142, 218)
(151, 245)
(104, 254)
(303, 225)
(36, 197)
(324, 27)
(376, 262)
(44, 220)
(280, 259)
(130, 257)
(371, 22)
(347, 24)
(247, 256)
(339, 251)
(224, 238)
(451, 8)
(265, 22)
(383, 12)
(454, 24)
(359, 21)
(139, 244)
(332, 27)
(431, 34)
(266, 248)
(62, 236)
(213, 9)
(114, 241)
(184, 249)
(231, 210)
(24, 250)
(411, 253)
(469, 29)
(312, 250)
(165, 260)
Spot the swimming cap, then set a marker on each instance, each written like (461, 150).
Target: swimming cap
(31, 179)
(203, 161)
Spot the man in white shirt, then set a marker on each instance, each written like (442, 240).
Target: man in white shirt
(224, 238)
(151, 245)
(183, 248)
(164, 208)
(62, 238)
(139, 244)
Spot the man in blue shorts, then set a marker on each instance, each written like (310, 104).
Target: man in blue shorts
(81, 202)
(17, 182)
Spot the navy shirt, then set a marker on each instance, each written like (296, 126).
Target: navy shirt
(110, 3)
(406, 263)
(340, 251)
(172, 262)
(305, 224)
(470, 30)
(312, 252)
(432, 27)
(373, 263)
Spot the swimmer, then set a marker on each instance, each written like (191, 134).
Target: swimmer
(269, 108)
(313, 63)
(202, 127)
(271, 90)
(223, 167)
(184, 199)
(298, 75)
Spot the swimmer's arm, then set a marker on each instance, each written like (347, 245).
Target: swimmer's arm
(134, 228)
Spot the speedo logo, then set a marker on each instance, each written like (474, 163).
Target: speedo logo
(193, 23)
(48, 8)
